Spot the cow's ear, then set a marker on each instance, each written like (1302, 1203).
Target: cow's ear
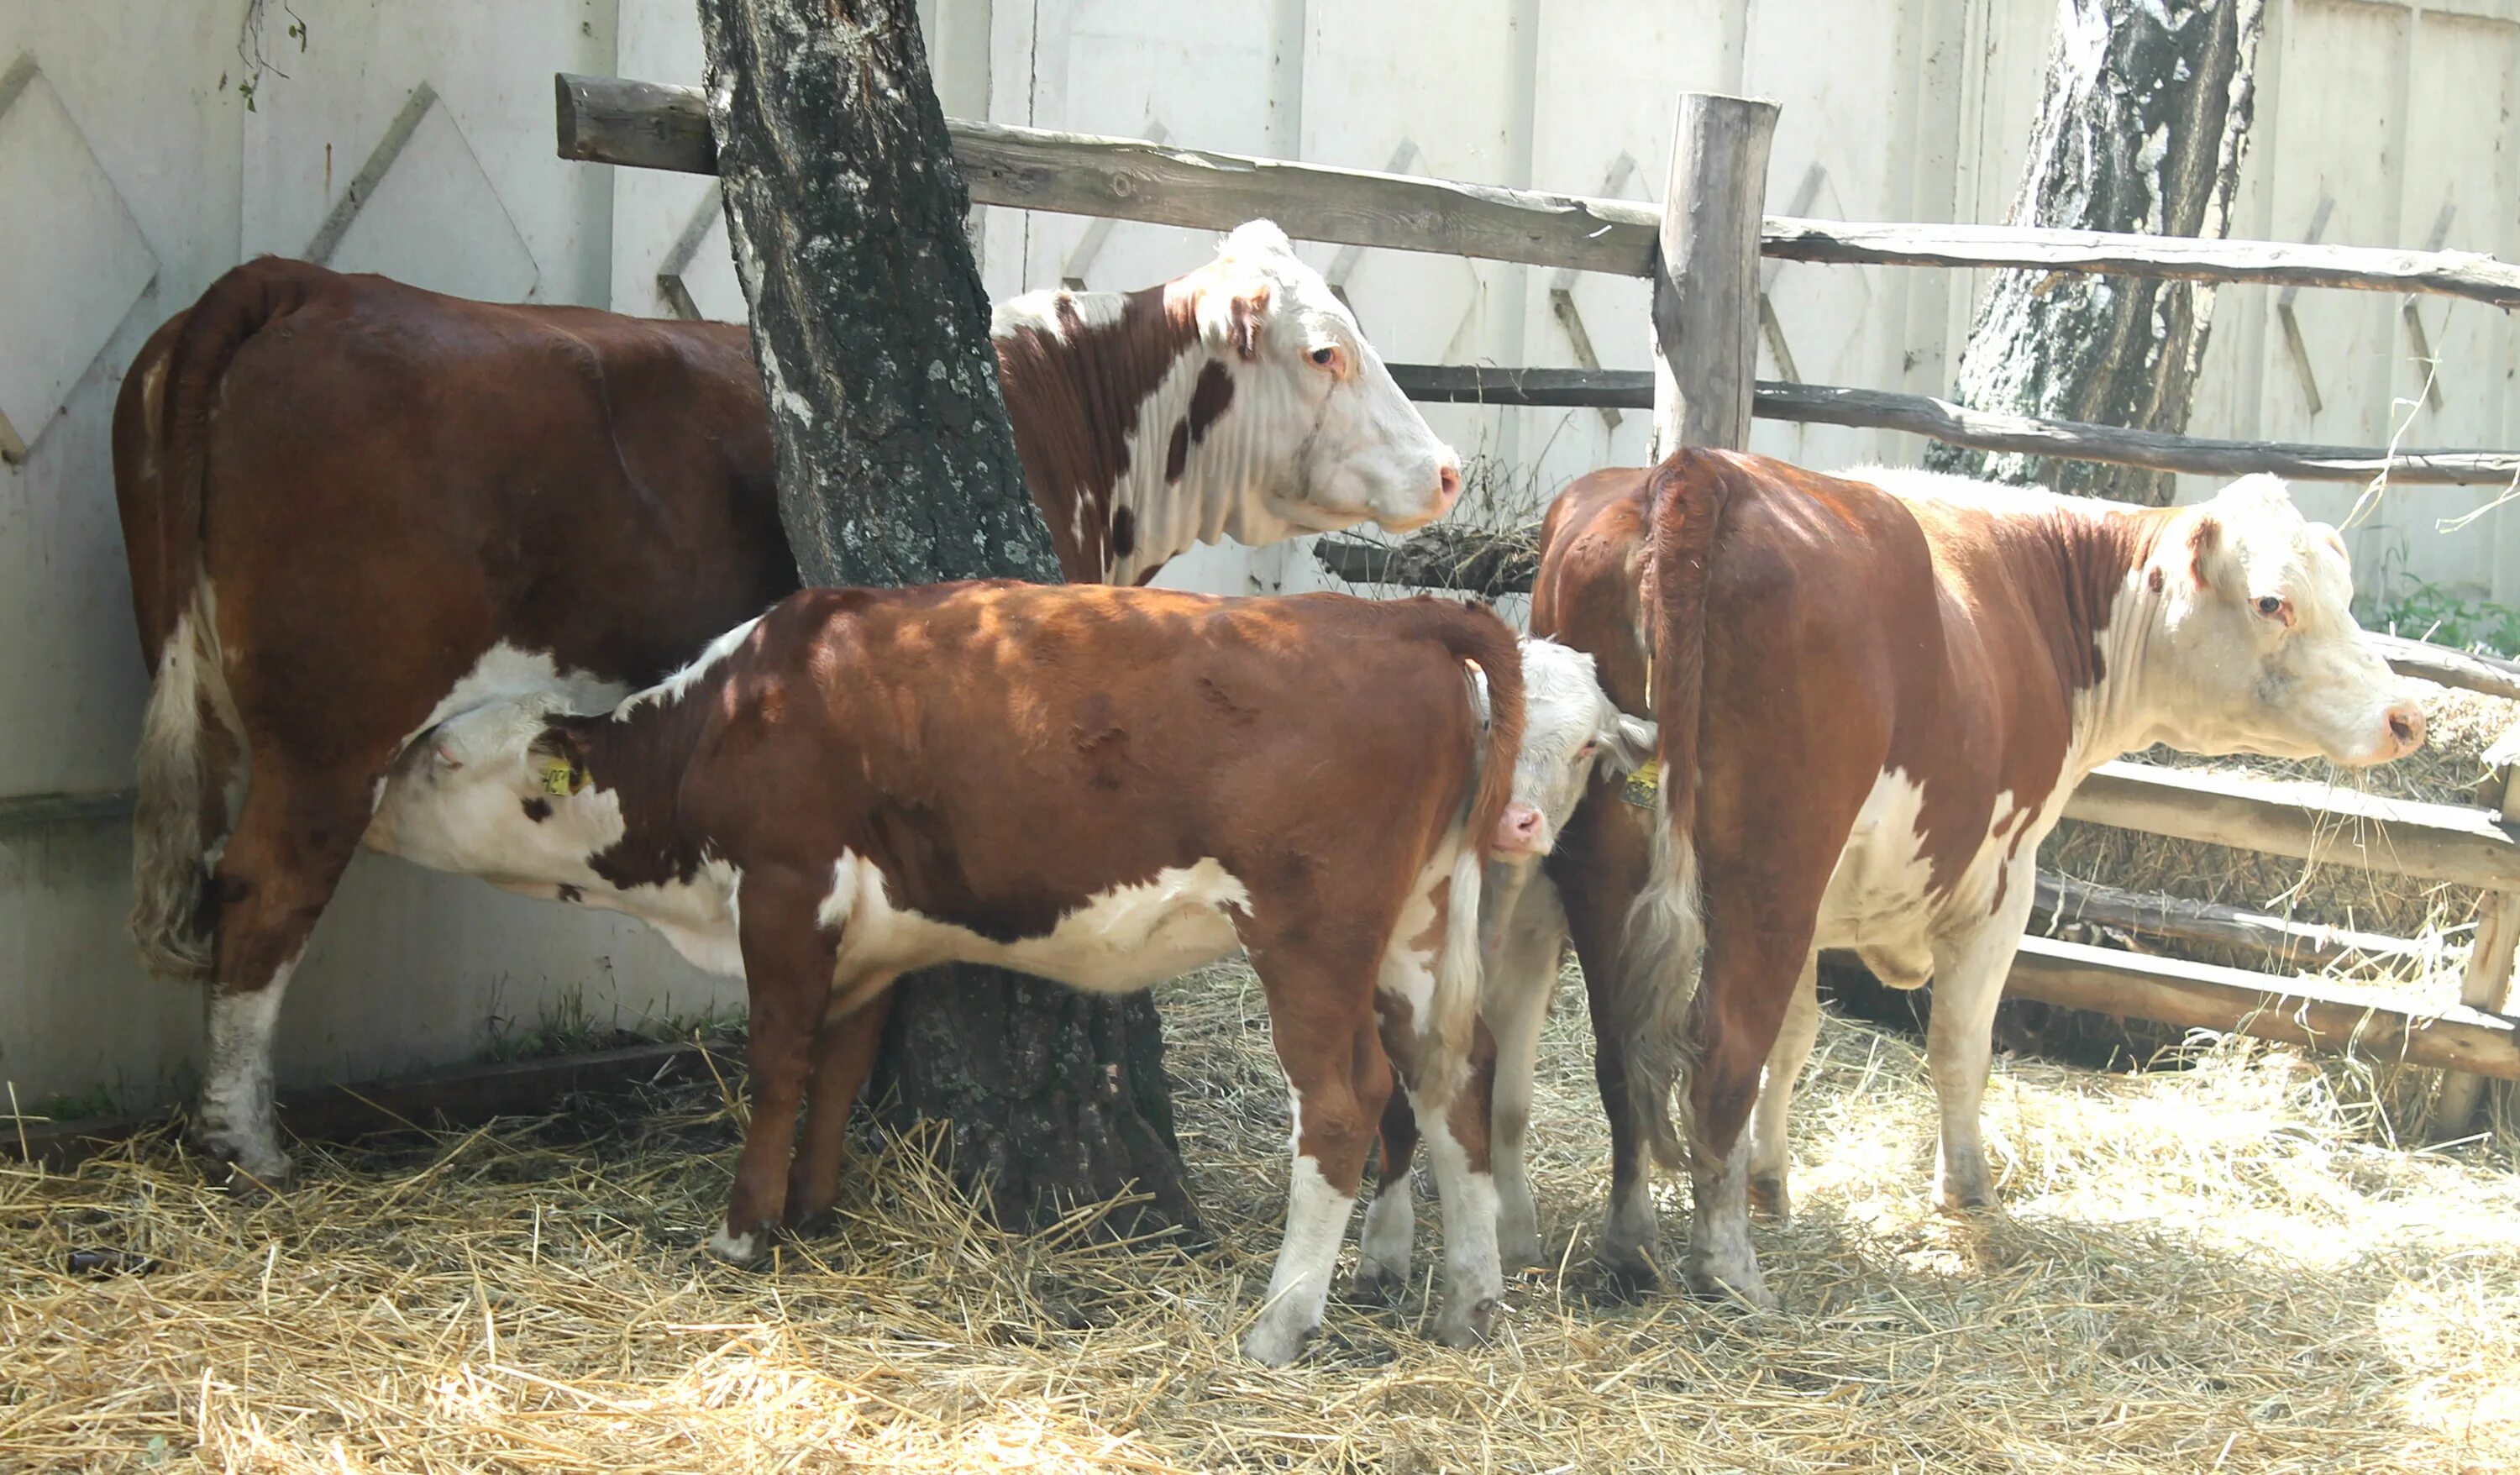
(1243, 314)
(1629, 744)
(2204, 543)
(556, 762)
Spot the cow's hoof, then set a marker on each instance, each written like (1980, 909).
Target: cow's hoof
(254, 1174)
(1749, 1289)
(1467, 1328)
(1274, 1343)
(1629, 1269)
(1519, 1248)
(1768, 1197)
(737, 1249)
(1967, 1199)
(1377, 1282)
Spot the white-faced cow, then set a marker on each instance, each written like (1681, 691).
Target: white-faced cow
(1571, 731)
(353, 508)
(1102, 787)
(1874, 695)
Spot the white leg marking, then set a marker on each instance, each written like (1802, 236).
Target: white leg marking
(1317, 1216)
(735, 1249)
(1968, 982)
(237, 1119)
(1720, 1261)
(1382, 1249)
(1769, 1158)
(1473, 1279)
(1520, 975)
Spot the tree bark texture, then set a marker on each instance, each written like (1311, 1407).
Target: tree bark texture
(2142, 129)
(897, 466)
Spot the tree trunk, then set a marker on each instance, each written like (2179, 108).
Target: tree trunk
(2145, 122)
(896, 466)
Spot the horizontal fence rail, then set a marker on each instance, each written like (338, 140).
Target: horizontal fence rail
(648, 125)
(1958, 425)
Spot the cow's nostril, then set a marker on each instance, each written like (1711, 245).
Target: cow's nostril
(1448, 485)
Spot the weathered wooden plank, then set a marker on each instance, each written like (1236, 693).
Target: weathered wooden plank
(645, 125)
(2375, 1024)
(1706, 276)
(2487, 982)
(2304, 944)
(22, 813)
(1489, 384)
(1958, 425)
(2447, 667)
(2473, 275)
(2341, 826)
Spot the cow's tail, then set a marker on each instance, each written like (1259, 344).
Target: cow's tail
(161, 464)
(1477, 637)
(1666, 927)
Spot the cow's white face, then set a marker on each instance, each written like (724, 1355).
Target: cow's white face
(1571, 728)
(1343, 444)
(487, 793)
(2257, 646)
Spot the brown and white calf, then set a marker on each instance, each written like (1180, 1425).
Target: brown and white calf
(1874, 695)
(1571, 732)
(353, 508)
(1102, 787)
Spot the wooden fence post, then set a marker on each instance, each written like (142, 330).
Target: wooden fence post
(1706, 275)
(2490, 957)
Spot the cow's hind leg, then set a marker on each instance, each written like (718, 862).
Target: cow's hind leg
(844, 1056)
(1449, 1096)
(1968, 982)
(787, 964)
(1769, 1157)
(1338, 1079)
(1602, 863)
(294, 836)
(1391, 1218)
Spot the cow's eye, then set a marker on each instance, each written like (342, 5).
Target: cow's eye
(2271, 605)
(1588, 750)
(1327, 357)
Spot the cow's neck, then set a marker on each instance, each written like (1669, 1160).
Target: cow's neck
(2114, 616)
(638, 754)
(1133, 430)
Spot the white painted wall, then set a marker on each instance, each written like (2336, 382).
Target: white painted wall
(133, 149)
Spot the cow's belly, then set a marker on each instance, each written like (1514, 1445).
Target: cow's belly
(1880, 899)
(1121, 940)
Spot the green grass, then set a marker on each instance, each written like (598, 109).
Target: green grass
(2421, 610)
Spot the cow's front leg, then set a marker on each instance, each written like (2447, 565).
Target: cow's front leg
(1969, 969)
(844, 1056)
(1529, 939)
(1456, 1128)
(1391, 1218)
(1601, 864)
(1768, 1156)
(787, 964)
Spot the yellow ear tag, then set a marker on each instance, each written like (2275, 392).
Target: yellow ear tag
(1643, 783)
(561, 780)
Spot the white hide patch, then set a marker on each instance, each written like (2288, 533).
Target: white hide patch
(672, 687)
(505, 672)
(1877, 898)
(1038, 311)
(1122, 940)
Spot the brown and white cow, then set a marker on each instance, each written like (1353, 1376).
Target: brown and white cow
(1102, 787)
(353, 508)
(1874, 695)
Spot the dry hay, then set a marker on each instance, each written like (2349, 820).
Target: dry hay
(2209, 1269)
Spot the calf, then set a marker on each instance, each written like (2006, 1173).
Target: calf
(1102, 786)
(1874, 695)
(353, 509)
(1571, 731)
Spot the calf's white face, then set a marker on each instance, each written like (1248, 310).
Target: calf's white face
(482, 796)
(2254, 642)
(1354, 448)
(1570, 726)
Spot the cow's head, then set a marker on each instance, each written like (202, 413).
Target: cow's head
(1571, 728)
(1341, 444)
(2253, 647)
(501, 792)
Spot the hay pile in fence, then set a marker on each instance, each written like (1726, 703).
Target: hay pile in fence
(2209, 1269)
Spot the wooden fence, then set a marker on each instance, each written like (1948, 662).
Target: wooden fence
(1701, 250)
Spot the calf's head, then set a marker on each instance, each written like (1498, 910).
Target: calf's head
(2251, 645)
(1571, 728)
(1313, 399)
(501, 793)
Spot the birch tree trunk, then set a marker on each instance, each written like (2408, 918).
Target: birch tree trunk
(897, 466)
(2144, 126)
